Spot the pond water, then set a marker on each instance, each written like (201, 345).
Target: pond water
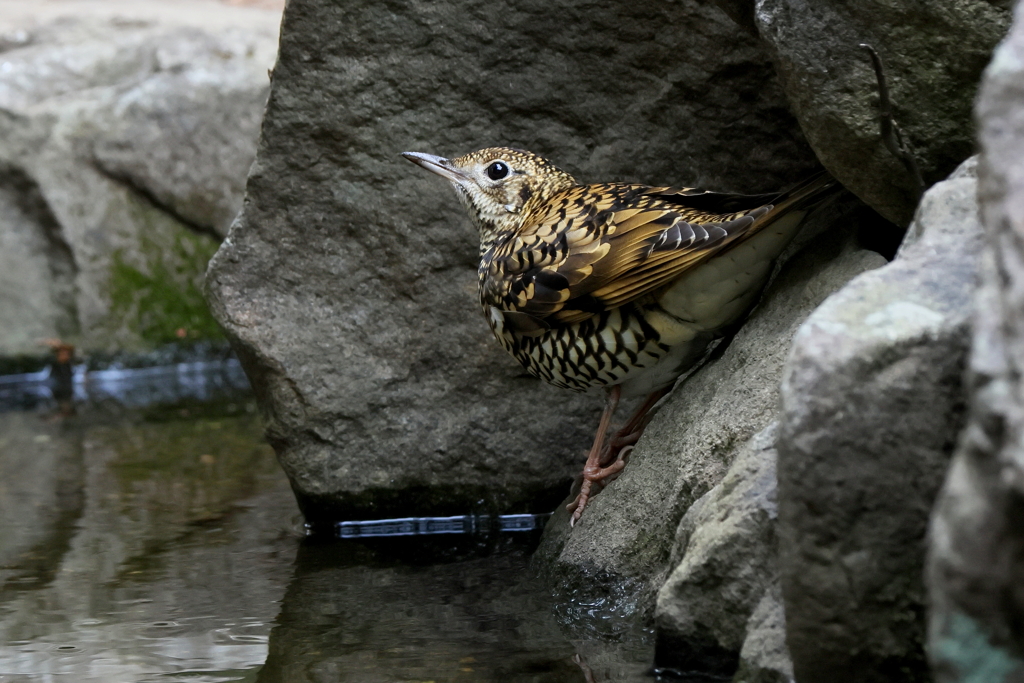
(147, 534)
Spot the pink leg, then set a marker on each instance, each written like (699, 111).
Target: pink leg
(630, 433)
(592, 471)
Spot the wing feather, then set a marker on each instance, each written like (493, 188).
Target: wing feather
(598, 247)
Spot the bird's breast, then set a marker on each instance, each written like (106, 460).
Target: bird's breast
(613, 347)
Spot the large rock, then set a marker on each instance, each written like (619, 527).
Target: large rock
(185, 136)
(124, 147)
(764, 657)
(934, 53)
(724, 565)
(631, 534)
(872, 405)
(976, 565)
(348, 283)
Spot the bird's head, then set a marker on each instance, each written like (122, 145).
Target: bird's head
(497, 183)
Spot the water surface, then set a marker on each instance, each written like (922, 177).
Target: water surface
(147, 534)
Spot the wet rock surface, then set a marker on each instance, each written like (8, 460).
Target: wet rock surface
(975, 568)
(872, 404)
(348, 283)
(934, 54)
(124, 146)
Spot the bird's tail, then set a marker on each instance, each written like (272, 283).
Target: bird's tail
(804, 195)
(726, 285)
(785, 212)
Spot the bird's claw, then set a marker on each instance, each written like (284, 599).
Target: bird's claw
(594, 481)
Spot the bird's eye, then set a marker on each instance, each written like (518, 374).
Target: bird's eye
(497, 170)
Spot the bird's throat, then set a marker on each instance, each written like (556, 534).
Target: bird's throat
(492, 225)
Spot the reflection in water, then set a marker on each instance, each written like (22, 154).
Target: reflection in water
(432, 609)
(163, 544)
(135, 549)
(128, 387)
(432, 526)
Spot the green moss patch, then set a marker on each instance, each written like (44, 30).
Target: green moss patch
(188, 470)
(161, 299)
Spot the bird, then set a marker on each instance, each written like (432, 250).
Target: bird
(614, 285)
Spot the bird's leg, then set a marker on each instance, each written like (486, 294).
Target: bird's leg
(631, 431)
(592, 471)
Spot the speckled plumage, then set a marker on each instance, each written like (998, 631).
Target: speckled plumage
(613, 284)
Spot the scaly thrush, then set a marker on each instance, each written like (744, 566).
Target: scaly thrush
(614, 285)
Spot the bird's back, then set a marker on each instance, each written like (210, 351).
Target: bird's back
(626, 284)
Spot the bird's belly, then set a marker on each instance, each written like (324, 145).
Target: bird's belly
(664, 373)
(627, 346)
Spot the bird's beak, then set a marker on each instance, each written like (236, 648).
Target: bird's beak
(438, 165)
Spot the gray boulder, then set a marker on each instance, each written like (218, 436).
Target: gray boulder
(185, 136)
(124, 147)
(934, 53)
(975, 568)
(702, 461)
(764, 657)
(724, 563)
(872, 404)
(348, 283)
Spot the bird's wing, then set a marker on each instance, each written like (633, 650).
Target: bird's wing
(598, 247)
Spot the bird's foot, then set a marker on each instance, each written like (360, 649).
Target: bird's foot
(632, 430)
(617, 444)
(595, 478)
